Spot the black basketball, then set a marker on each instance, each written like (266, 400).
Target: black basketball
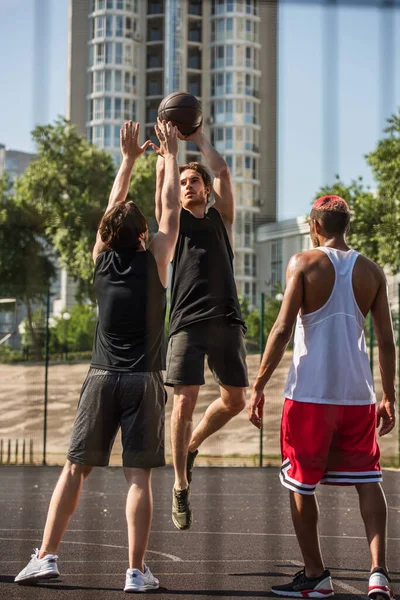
(183, 110)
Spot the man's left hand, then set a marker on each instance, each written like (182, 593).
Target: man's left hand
(256, 408)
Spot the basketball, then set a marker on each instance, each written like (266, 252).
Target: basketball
(183, 110)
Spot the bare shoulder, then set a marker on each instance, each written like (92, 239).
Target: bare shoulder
(303, 260)
(368, 266)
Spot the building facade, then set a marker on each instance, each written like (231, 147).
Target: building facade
(14, 162)
(125, 56)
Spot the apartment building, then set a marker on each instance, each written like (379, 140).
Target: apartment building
(124, 56)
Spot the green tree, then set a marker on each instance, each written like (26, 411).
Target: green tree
(77, 332)
(68, 184)
(375, 224)
(26, 264)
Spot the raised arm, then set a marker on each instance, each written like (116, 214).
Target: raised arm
(130, 150)
(222, 185)
(160, 171)
(383, 327)
(163, 243)
(279, 337)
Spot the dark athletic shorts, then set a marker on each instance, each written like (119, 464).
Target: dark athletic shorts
(223, 344)
(110, 400)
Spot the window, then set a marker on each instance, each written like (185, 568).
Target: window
(249, 61)
(118, 54)
(229, 6)
(249, 7)
(116, 135)
(128, 55)
(117, 108)
(247, 267)
(109, 48)
(254, 267)
(247, 162)
(107, 108)
(128, 27)
(100, 21)
(247, 290)
(228, 138)
(229, 56)
(248, 88)
(107, 136)
(276, 262)
(220, 84)
(120, 5)
(239, 166)
(98, 108)
(228, 83)
(107, 81)
(99, 81)
(127, 83)
(118, 81)
(220, 57)
(249, 113)
(133, 111)
(127, 109)
(100, 4)
(109, 26)
(229, 28)
(99, 53)
(91, 56)
(229, 161)
(229, 110)
(110, 3)
(119, 26)
(98, 134)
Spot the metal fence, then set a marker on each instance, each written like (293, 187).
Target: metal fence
(41, 385)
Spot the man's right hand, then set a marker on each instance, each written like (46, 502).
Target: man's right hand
(168, 137)
(385, 416)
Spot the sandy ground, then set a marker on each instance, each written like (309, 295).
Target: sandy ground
(238, 443)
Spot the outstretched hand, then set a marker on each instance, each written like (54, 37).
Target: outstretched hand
(386, 417)
(129, 145)
(168, 137)
(193, 136)
(255, 409)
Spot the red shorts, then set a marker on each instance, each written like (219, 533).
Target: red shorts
(328, 443)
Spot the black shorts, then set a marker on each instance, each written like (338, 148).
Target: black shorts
(223, 344)
(110, 400)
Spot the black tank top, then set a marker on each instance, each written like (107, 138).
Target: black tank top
(203, 285)
(131, 301)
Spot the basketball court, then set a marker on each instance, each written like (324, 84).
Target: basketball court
(240, 544)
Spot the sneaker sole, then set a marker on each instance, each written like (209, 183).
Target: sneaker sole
(305, 594)
(36, 578)
(179, 526)
(378, 594)
(142, 588)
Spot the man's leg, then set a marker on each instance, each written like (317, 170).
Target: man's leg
(231, 402)
(304, 509)
(62, 505)
(185, 398)
(139, 512)
(373, 509)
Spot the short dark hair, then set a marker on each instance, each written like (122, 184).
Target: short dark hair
(201, 170)
(333, 213)
(121, 227)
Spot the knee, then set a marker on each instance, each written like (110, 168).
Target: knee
(184, 403)
(235, 399)
(76, 470)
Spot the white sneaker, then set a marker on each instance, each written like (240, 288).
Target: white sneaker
(379, 585)
(39, 568)
(136, 581)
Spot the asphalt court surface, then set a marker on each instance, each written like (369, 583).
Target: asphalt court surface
(240, 544)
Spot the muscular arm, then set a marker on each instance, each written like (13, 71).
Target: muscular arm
(163, 243)
(383, 327)
(160, 172)
(130, 152)
(279, 337)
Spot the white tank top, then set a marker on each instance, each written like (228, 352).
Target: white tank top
(330, 362)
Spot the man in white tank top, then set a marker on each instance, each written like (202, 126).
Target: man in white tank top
(329, 415)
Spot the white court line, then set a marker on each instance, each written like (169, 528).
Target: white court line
(345, 586)
(170, 556)
(159, 560)
(191, 532)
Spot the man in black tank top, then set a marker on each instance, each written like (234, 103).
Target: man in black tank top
(205, 318)
(124, 386)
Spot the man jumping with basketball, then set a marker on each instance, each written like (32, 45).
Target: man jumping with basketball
(205, 318)
(124, 386)
(329, 415)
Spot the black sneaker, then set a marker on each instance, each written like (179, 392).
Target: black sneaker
(181, 512)
(304, 587)
(191, 457)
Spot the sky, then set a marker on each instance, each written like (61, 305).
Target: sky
(337, 84)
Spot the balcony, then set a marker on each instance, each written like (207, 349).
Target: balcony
(155, 59)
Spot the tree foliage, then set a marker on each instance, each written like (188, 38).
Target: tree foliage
(375, 224)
